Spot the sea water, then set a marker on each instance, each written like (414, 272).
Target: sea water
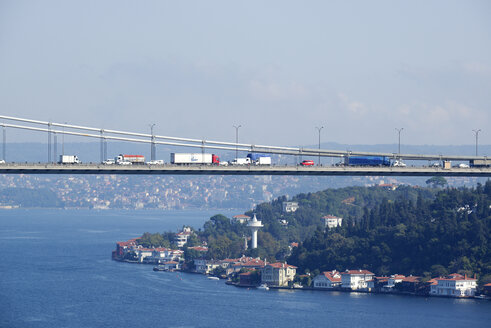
(56, 271)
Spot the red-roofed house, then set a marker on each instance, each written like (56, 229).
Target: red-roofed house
(454, 285)
(411, 284)
(355, 279)
(171, 265)
(278, 274)
(486, 289)
(327, 279)
(392, 281)
(241, 218)
(199, 248)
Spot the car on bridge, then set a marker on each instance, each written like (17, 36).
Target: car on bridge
(307, 162)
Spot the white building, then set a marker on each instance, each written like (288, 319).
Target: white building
(455, 285)
(205, 266)
(327, 279)
(182, 237)
(278, 274)
(143, 253)
(331, 221)
(355, 279)
(289, 207)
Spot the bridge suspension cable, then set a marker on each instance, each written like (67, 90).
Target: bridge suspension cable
(105, 134)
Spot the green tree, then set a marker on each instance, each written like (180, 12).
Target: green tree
(437, 182)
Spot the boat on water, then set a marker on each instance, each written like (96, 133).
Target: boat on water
(159, 268)
(213, 278)
(263, 287)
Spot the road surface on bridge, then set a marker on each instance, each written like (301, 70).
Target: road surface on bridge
(169, 169)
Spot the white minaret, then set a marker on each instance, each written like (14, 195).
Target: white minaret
(254, 225)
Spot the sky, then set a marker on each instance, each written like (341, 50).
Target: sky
(279, 69)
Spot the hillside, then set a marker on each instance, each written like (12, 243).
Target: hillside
(426, 236)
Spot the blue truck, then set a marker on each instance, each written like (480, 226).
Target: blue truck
(259, 159)
(367, 161)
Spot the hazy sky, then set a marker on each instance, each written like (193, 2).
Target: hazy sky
(278, 68)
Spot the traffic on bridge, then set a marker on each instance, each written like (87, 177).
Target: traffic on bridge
(258, 161)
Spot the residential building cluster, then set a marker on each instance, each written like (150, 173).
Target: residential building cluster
(249, 272)
(454, 285)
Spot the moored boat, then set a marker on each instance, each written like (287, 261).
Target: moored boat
(263, 287)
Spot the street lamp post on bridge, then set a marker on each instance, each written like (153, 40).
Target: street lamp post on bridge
(476, 132)
(4, 143)
(152, 145)
(399, 148)
(236, 139)
(319, 130)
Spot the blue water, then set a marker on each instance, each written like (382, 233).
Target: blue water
(56, 271)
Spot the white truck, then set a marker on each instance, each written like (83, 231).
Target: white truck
(68, 159)
(194, 158)
(241, 161)
(263, 161)
(156, 162)
(259, 159)
(129, 159)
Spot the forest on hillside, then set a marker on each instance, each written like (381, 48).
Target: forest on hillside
(429, 237)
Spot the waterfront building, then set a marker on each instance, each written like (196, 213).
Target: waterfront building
(205, 266)
(410, 284)
(327, 280)
(486, 289)
(331, 221)
(255, 225)
(123, 247)
(278, 274)
(290, 207)
(171, 266)
(376, 283)
(356, 279)
(248, 263)
(143, 253)
(245, 278)
(391, 282)
(454, 285)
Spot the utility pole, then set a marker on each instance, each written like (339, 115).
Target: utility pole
(152, 145)
(102, 146)
(49, 142)
(63, 141)
(4, 143)
(236, 139)
(476, 132)
(399, 149)
(55, 144)
(319, 130)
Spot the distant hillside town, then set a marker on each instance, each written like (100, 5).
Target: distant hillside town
(173, 192)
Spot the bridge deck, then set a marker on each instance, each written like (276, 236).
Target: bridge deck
(241, 170)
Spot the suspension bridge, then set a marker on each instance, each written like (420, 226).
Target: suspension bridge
(480, 166)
